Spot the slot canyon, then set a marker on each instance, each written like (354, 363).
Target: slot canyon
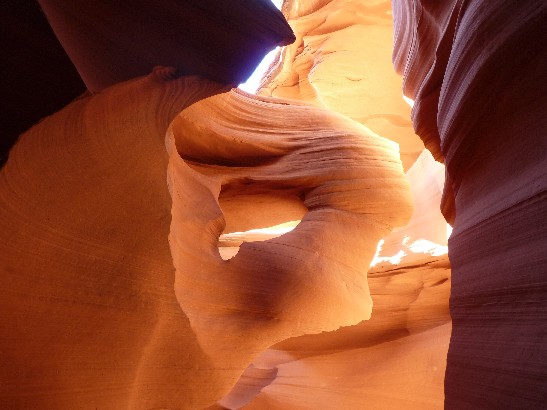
(365, 230)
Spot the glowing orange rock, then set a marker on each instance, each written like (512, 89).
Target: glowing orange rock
(89, 315)
(395, 359)
(341, 59)
(309, 280)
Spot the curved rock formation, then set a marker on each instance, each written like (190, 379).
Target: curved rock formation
(89, 315)
(394, 360)
(113, 42)
(235, 147)
(427, 231)
(478, 74)
(341, 59)
(110, 42)
(410, 324)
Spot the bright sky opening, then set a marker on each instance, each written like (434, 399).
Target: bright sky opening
(253, 82)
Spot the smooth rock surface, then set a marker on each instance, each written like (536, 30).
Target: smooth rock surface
(235, 146)
(110, 42)
(341, 59)
(394, 360)
(89, 317)
(478, 73)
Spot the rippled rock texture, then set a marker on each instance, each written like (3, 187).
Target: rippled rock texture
(115, 294)
(109, 42)
(89, 316)
(341, 59)
(477, 71)
(229, 152)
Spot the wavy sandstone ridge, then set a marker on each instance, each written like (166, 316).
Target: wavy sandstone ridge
(394, 360)
(89, 315)
(307, 281)
(341, 59)
(477, 72)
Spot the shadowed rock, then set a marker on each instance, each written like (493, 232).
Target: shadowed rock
(309, 280)
(478, 74)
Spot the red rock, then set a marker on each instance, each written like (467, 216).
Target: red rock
(110, 42)
(482, 106)
(89, 317)
(309, 280)
(342, 60)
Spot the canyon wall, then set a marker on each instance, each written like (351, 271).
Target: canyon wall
(341, 61)
(478, 74)
(115, 291)
(95, 315)
(89, 314)
(345, 183)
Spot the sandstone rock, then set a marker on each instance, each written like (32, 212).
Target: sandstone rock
(309, 280)
(341, 59)
(394, 360)
(478, 74)
(410, 325)
(89, 318)
(403, 373)
(113, 42)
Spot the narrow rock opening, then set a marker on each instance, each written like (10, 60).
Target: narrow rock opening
(229, 243)
(256, 212)
(271, 59)
(253, 83)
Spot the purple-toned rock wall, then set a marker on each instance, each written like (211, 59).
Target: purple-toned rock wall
(478, 72)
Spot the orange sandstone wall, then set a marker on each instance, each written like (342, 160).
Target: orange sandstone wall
(89, 318)
(397, 358)
(101, 311)
(341, 59)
